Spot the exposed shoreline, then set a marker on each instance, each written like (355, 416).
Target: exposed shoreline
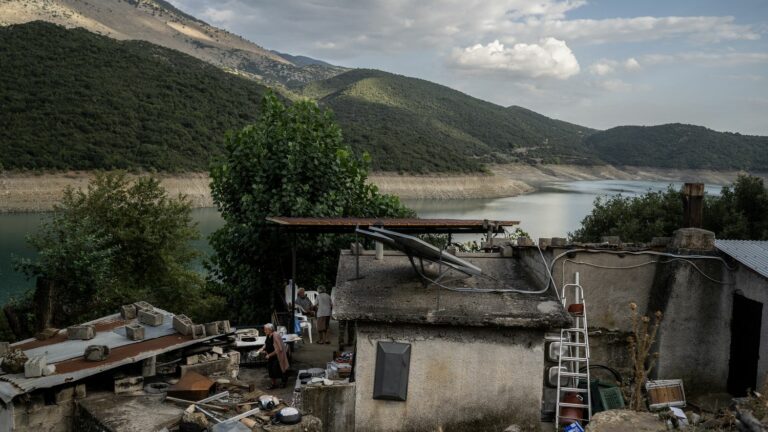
(39, 192)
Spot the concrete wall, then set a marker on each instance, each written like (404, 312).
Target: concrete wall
(695, 335)
(333, 405)
(460, 379)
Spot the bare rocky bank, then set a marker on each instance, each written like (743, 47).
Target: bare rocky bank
(39, 192)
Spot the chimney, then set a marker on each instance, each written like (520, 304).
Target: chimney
(693, 205)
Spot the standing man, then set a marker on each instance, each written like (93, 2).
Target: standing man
(324, 308)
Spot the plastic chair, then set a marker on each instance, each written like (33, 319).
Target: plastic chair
(304, 323)
(312, 295)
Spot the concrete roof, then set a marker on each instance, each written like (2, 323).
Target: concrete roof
(67, 354)
(751, 253)
(390, 291)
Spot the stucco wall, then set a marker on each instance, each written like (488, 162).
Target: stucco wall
(460, 379)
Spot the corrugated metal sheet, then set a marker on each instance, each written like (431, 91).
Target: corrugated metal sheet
(67, 355)
(751, 253)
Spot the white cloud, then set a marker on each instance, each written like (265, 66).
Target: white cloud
(602, 68)
(615, 85)
(639, 29)
(710, 59)
(548, 58)
(631, 64)
(607, 67)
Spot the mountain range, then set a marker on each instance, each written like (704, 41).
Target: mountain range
(143, 85)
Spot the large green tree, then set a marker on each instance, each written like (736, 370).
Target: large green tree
(119, 241)
(739, 212)
(291, 162)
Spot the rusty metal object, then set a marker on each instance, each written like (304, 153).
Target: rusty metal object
(192, 386)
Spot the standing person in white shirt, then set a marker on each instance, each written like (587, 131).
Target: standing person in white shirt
(324, 308)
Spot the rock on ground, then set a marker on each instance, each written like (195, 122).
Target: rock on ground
(625, 420)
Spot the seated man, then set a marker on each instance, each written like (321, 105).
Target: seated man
(303, 302)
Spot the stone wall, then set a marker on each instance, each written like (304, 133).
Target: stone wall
(461, 378)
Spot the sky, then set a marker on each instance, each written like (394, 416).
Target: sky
(597, 63)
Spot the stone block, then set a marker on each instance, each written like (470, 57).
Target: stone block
(525, 242)
(65, 394)
(218, 350)
(149, 367)
(234, 358)
(613, 240)
(142, 305)
(694, 239)
(96, 353)
(4, 348)
(35, 366)
(129, 384)
(49, 370)
(212, 328)
(14, 360)
(150, 317)
(212, 368)
(134, 331)
(47, 333)
(193, 359)
(182, 324)
(545, 242)
(224, 327)
(80, 392)
(198, 331)
(81, 332)
(128, 312)
(559, 241)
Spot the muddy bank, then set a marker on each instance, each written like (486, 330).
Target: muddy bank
(34, 193)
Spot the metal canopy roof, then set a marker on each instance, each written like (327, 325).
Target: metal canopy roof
(67, 355)
(751, 253)
(411, 225)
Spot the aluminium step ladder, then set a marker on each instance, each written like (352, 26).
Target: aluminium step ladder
(573, 358)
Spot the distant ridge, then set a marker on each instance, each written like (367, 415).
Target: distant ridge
(161, 23)
(679, 145)
(409, 124)
(72, 99)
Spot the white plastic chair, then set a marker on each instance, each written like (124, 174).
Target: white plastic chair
(304, 323)
(312, 295)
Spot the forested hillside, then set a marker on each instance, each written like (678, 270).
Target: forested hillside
(410, 124)
(70, 99)
(679, 146)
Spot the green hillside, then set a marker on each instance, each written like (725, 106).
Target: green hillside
(679, 146)
(71, 99)
(415, 125)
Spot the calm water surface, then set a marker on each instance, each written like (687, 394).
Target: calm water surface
(553, 211)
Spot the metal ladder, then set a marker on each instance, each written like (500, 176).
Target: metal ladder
(574, 356)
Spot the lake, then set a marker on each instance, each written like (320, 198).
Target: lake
(552, 211)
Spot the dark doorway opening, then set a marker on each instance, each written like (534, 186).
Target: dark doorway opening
(745, 345)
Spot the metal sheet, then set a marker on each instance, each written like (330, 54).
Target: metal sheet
(751, 253)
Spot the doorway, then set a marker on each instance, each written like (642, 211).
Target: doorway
(745, 345)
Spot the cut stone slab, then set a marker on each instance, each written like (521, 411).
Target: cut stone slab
(198, 331)
(625, 420)
(14, 360)
(129, 384)
(134, 331)
(81, 332)
(96, 353)
(128, 312)
(224, 327)
(142, 305)
(150, 317)
(35, 367)
(182, 324)
(694, 239)
(212, 329)
(47, 333)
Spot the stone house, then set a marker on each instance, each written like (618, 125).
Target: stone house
(435, 359)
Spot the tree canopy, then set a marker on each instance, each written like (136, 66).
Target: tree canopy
(291, 162)
(119, 241)
(739, 212)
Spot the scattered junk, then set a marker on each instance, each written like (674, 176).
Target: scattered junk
(665, 394)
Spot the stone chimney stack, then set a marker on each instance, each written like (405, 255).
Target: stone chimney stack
(693, 205)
